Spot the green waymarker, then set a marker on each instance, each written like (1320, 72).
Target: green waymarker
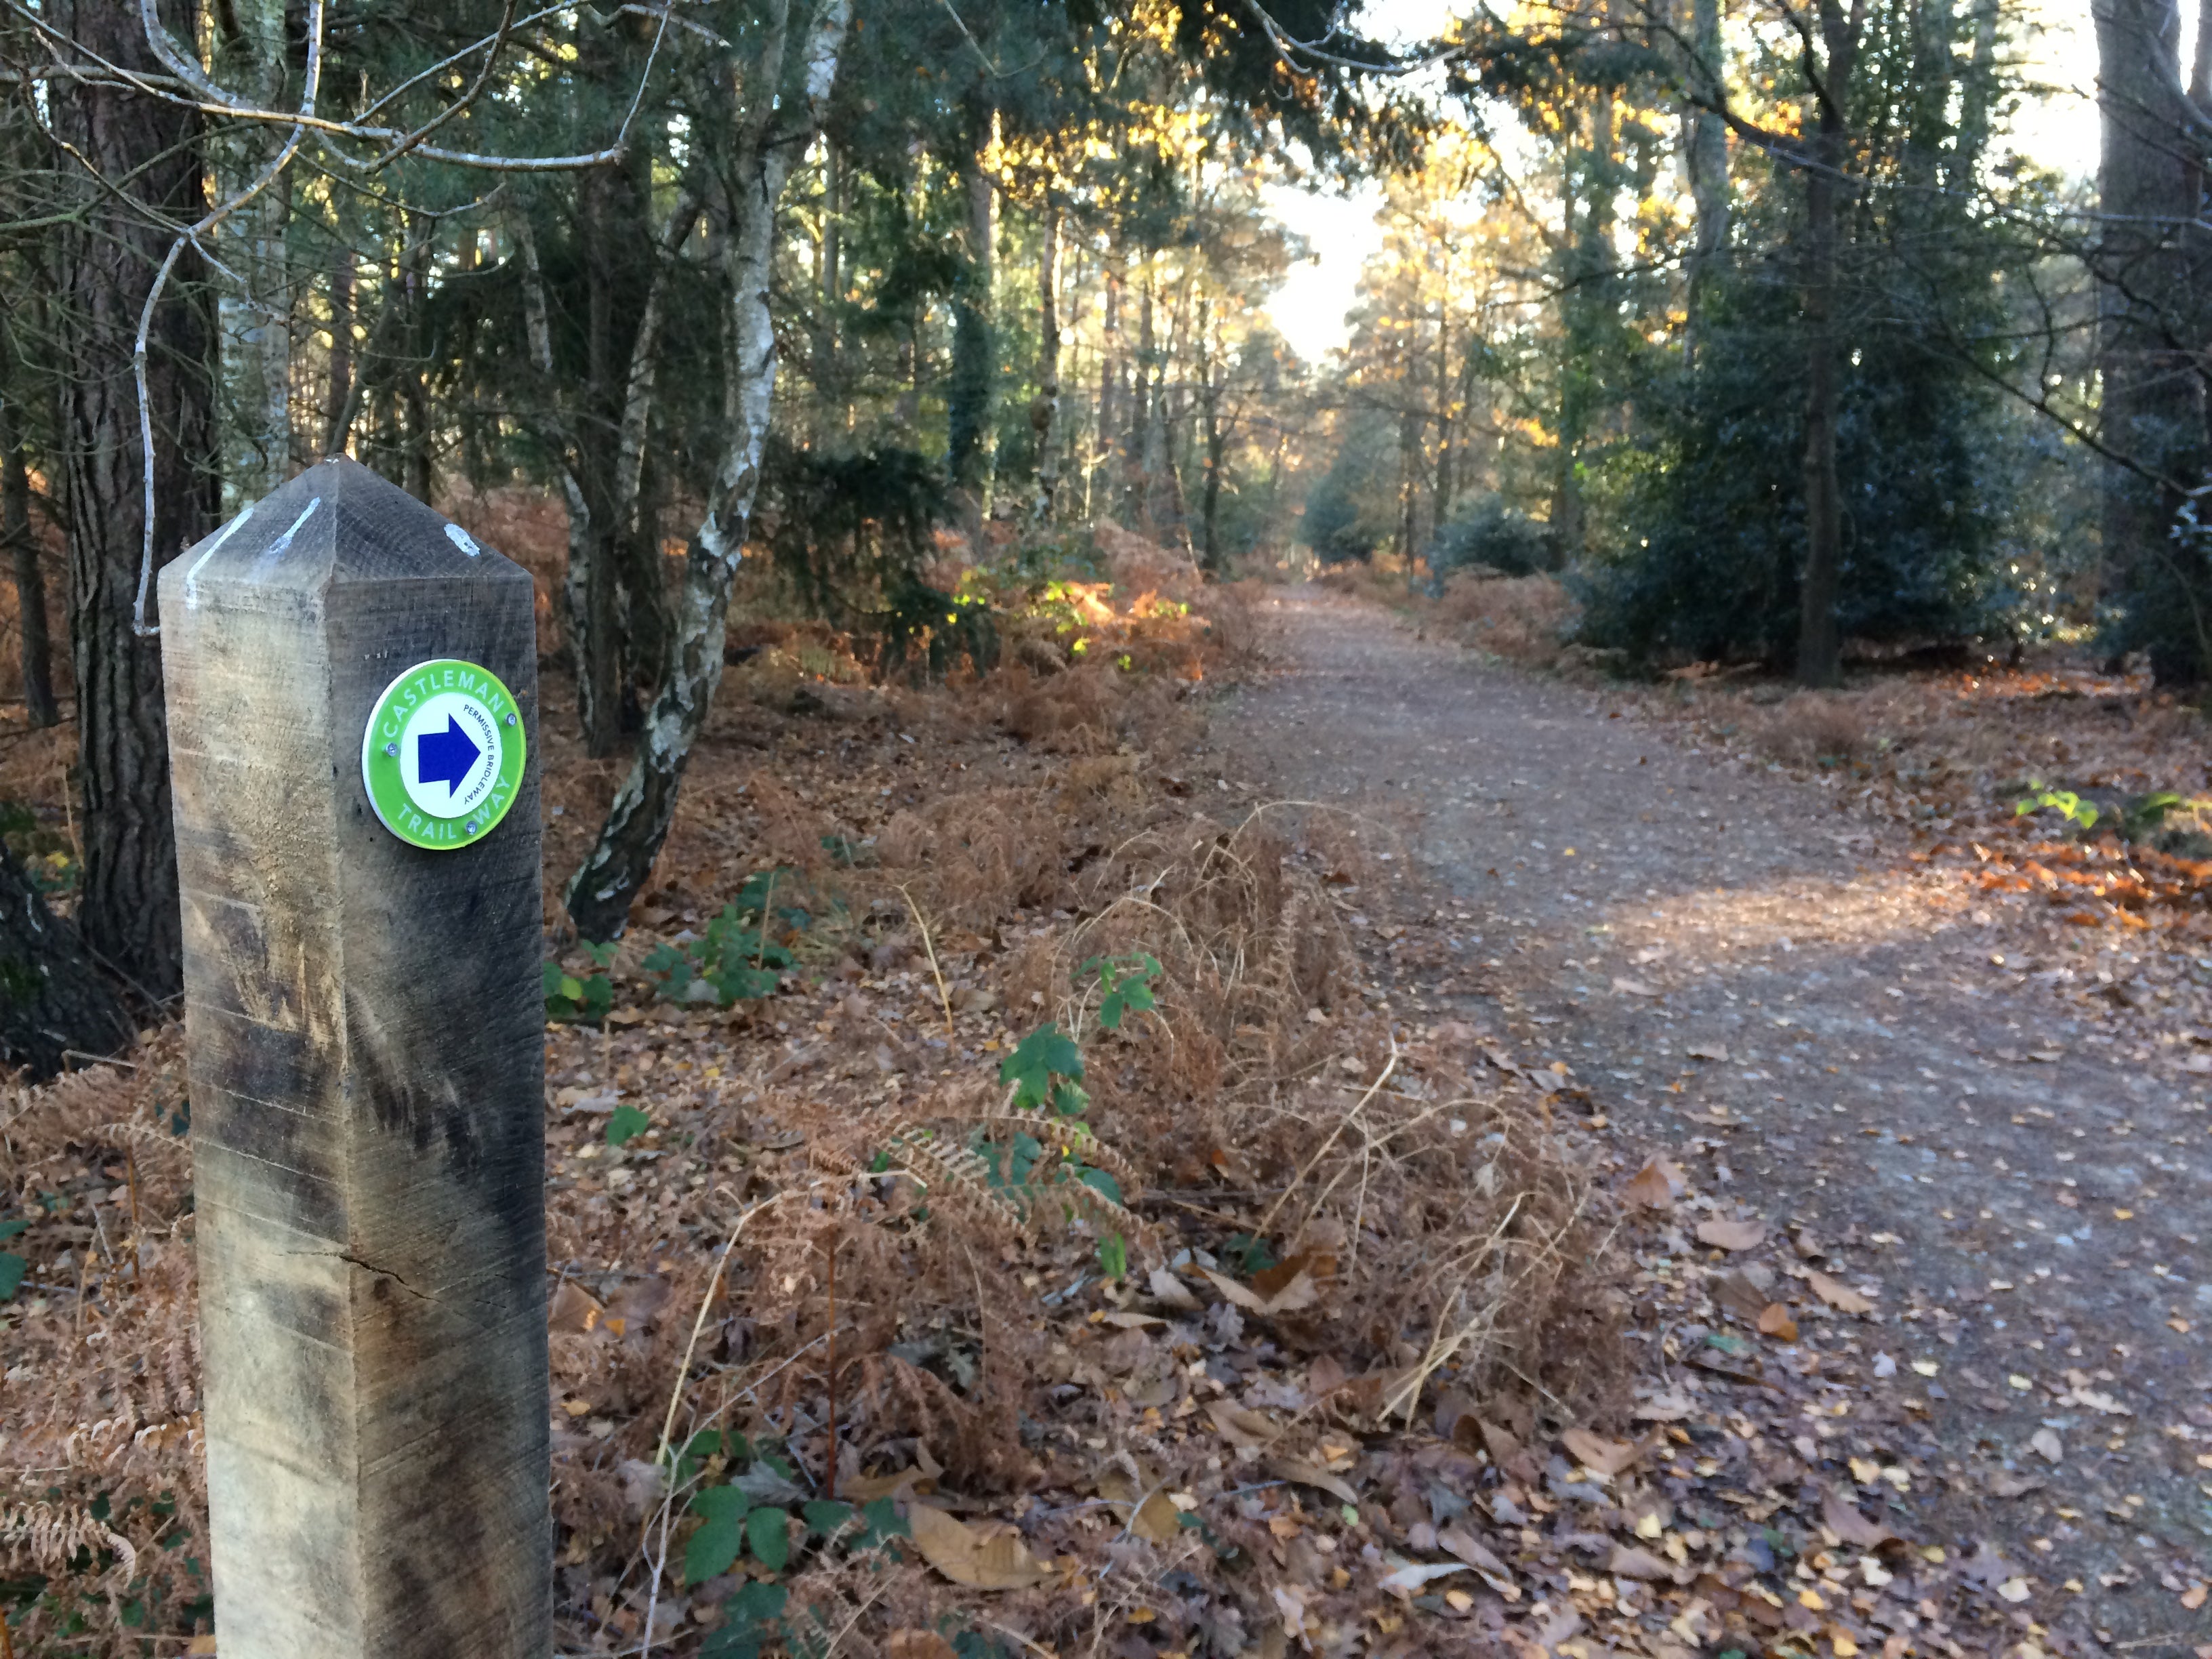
(442, 756)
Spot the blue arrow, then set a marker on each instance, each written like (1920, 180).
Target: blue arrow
(446, 757)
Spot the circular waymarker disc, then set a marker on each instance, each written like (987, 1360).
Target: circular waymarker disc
(442, 757)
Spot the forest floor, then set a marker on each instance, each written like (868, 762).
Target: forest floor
(1984, 1114)
(1609, 1170)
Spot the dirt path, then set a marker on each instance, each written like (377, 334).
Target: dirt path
(2032, 1203)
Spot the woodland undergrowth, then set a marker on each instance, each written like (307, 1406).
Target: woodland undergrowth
(1065, 1210)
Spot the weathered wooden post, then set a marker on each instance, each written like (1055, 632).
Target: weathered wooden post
(352, 688)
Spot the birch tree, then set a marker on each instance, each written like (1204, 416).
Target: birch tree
(775, 131)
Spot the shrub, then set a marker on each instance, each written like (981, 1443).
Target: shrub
(1526, 619)
(1487, 531)
(1706, 566)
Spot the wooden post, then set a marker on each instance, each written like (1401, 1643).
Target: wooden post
(366, 1068)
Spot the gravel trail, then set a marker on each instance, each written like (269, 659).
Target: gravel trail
(1771, 990)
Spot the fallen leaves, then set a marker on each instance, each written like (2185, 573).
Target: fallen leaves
(1656, 1185)
(1495, 1572)
(1240, 1427)
(1843, 1518)
(1409, 1579)
(1628, 1562)
(1836, 1294)
(1170, 1291)
(1298, 1470)
(1150, 1513)
(1287, 1287)
(1725, 1235)
(1607, 1457)
(995, 1559)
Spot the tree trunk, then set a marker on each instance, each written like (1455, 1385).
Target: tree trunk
(1928, 112)
(972, 426)
(600, 895)
(830, 291)
(146, 149)
(339, 406)
(613, 575)
(1576, 372)
(1819, 647)
(53, 999)
(2152, 406)
(417, 426)
(1044, 413)
(1137, 419)
(1704, 154)
(1447, 417)
(36, 661)
(1103, 437)
(1978, 95)
(1217, 437)
(573, 601)
(1820, 642)
(256, 318)
(1409, 485)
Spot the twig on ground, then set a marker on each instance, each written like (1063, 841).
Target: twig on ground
(1389, 1065)
(944, 997)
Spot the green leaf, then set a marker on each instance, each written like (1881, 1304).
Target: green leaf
(824, 1517)
(884, 1521)
(769, 1531)
(696, 1450)
(12, 1269)
(1022, 1159)
(604, 955)
(1039, 1057)
(1252, 1254)
(673, 966)
(743, 983)
(749, 1623)
(712, 1550)
(550, 976)
(1114, 1256)
(721, 1504)
(1070, 1099)
(1099, 1181)
(599, 997)
(626, 1125)
(9, 1229)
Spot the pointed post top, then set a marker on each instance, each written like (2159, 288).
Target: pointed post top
(336, 521)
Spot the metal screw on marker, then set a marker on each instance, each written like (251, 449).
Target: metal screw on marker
(470, 828)
(510, 719)
(391, 748)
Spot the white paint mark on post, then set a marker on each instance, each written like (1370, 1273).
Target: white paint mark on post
(191, 592)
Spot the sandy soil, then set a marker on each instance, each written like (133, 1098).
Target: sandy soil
(1771, 990)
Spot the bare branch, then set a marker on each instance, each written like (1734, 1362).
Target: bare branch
(476, 90)
(214, 216)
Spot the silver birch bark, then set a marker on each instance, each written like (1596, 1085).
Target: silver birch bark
(1044, 413)
(587, 614)
(598, 895)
